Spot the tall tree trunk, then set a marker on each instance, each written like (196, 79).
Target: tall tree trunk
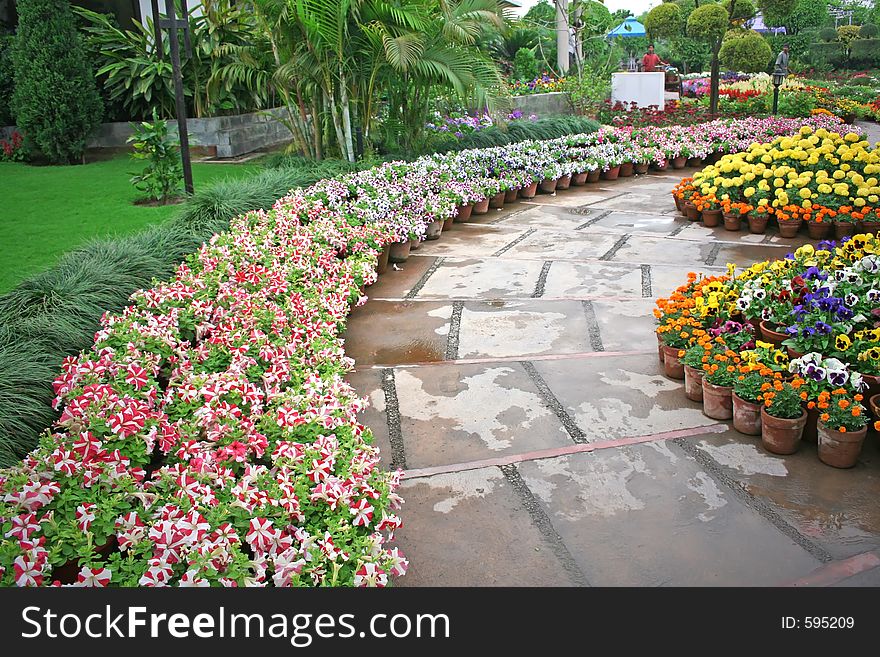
(346, 120)
(337, 125)
(317, 130)
(713, 83)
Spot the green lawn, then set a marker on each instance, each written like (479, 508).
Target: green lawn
(49, 210)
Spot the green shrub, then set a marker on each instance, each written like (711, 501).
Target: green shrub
(828, 34)
(745, 50)
(525, 65)
(55, 102)
(6, 79)
(664, 21)
(869, 31)
(796, 103)
(865, 53)
(163, 171)
(847, 33)
(829, 54)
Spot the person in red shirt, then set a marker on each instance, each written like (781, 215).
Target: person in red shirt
(651, 61)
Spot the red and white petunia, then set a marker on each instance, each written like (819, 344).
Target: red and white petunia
(94, 577)
(85, 515)
(191, 579)
(370, 575)
(362, 512)
(399, 564)
(23, 525)
(262, 534)
(136, 376)
(27, 571)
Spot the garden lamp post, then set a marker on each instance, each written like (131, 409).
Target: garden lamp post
(172, 24)
(778, 79)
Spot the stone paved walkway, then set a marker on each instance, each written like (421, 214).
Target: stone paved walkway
(513, 375)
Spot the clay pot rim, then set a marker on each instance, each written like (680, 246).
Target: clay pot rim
(713, 386)
(746, 402)
(859, 433)
(764, 413)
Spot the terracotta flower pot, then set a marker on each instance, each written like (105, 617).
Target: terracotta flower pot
(672, 366)
(548, 185)
(843, 228)
(789, 228)
(510, 195)
(758, 223)
(593, 176)
(447, 225)
(641, 168)
(481, 207)
(818, 230)
(810, 428)
(746, 416)
(711, 218)
(563, 182)
(415, 244)
(717, 401)
(693, 383)
(399, 251)
(612, 173)
(579, 179)
(679, 203)
(840, 449)
(679, 162)
(497, 201)
(872, 227)
(660, 349)
(695, 161)
(626, 170)
(781, 435)
(770, 335)
(793, 353)
(463, 213)
(434, 230)
(382, 264)
(732, 221)
(873, 383)
(529, 191)
(874, 406)
(691, 211)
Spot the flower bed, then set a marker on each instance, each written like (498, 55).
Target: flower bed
(818, 177)
(798, 335)
(209, 438)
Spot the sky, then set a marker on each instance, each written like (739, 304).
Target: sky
(635, 6)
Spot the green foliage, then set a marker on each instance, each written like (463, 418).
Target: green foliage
(6, 79)
(745, 50)
(865, 53)
(55, 101)
(588, 90)
(56, 313)
(869, 31)
(162, 174)
(828, 54)
(743, 10)
(828, 34)
(543, 14)
(807, 15)
(775, 12)
(525, 66)
(664, 21)
(798, 44)
(796, 103)
(708, 23)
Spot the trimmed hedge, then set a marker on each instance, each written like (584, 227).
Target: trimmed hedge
(865, 53)
(521, 130)
(56, 313)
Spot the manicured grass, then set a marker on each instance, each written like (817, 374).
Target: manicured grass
(47, 211)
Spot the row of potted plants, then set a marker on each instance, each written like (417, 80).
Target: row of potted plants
(787, 349)
(819, 178)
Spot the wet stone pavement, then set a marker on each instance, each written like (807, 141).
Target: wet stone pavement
(512, 372)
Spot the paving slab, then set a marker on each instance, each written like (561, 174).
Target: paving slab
(835, 508)
(395, 283)
(591, 279)
(620, 396)
(656, 250)
(456, 413)
(695, 230)
(746, 255)
(522, 328)
(471, 240)
(637, 223)
(568, 245)
(574, 197)
(648, 515)
(368, 384)
(486, 278)
(471, 529)
(625, 325)
(549, 217)
(398, 332)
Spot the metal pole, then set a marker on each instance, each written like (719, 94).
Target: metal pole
(562, 36)
(775, 98)
(179, 98)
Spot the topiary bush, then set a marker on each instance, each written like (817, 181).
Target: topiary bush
(6, 81)
(828, 34)
(664, 21)
(869, 31)
(847, 33)
(745, 50)
(865, 53)
(55, 102)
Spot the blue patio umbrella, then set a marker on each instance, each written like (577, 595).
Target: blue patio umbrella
(628, 28)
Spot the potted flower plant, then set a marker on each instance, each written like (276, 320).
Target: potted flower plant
(843, 424)
(782, 416)
(747, 399)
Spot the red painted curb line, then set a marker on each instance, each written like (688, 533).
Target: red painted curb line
(554, 452)
(837, 571)
(508, 359)
(429, 299)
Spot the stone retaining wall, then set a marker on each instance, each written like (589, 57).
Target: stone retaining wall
(556, 103)
(217, 136)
